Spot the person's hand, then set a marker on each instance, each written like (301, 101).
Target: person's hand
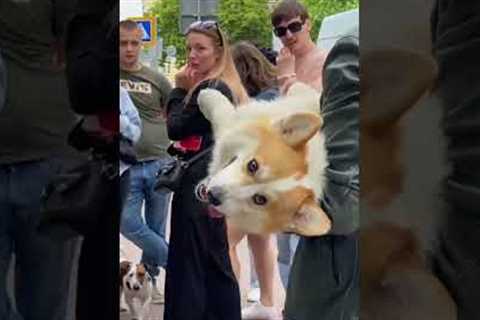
(181, 78)
(285, 63)
(286, 69)
(188, 77)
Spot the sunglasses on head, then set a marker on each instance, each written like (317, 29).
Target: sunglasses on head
(205, 25)
(293, 27)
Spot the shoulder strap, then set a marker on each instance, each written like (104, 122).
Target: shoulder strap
(198, 156)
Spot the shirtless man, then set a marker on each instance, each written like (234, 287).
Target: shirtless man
(323, 280)
(299, 59)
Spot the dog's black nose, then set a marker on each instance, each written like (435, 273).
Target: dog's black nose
(136, 287)
(215, 196)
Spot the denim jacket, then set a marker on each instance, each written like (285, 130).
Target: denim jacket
(130, 122)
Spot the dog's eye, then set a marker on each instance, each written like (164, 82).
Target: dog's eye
(130, 275)
(259, 199)
(252, 166)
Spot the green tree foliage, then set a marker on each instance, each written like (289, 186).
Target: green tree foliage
(168, 15)
(319, 9)
(246, 20)
(241, 19)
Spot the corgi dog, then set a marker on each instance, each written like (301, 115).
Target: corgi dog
(268, 165)
(136, 286)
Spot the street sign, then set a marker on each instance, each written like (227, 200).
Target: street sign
(148, 25)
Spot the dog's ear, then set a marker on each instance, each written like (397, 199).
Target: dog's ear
(296, 129)
(310, 220)
(303, 96)
(393, 80)
(215, 107)
(124, 268)
(141, 271)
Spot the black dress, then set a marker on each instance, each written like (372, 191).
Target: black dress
(200, 283)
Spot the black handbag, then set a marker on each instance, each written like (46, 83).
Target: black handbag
(75, 199)
(170, 177)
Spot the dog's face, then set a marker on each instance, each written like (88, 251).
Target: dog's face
(257, 177)
(133, 276)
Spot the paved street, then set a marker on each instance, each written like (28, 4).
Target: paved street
(132, 253)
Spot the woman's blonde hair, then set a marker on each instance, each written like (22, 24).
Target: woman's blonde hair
(225, 69)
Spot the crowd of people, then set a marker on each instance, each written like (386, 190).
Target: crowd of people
(63, 63)
(203, 269)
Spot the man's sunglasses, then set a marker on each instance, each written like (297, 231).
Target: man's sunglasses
(293, 27)
(205, 25)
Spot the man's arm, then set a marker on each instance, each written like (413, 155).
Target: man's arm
(165, 88)
(340, 109)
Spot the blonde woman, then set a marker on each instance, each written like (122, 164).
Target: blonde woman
(200, 283)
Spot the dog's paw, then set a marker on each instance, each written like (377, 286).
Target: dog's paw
(206, 101)
(214, 105)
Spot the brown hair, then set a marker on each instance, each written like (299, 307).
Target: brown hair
(256, 72)
(225, 70)
(287, 10)
(129, 25)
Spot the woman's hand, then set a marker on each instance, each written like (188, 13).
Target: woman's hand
(187, 77)
(181, 78)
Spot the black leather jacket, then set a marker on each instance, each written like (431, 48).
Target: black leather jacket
(340, 109)
(3, 82)
(323, 280)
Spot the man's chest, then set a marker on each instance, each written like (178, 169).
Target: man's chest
(137, 87)
(309, 71)
(145, 96)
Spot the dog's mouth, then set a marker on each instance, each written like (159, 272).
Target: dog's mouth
(214, 213)
(201, 193)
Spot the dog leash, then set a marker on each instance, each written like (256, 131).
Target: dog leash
(197, 156)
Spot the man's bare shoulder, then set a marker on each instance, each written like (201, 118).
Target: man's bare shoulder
(318, 57)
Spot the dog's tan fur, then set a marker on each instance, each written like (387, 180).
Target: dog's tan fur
(285, 140)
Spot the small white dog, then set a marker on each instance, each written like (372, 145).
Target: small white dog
(136, 285)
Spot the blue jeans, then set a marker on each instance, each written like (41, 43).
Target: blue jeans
(148, 235)
(287, 244)
(45, 269)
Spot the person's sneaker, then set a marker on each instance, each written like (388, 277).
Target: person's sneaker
(258, 311)
(157, 296)
(253, 295)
